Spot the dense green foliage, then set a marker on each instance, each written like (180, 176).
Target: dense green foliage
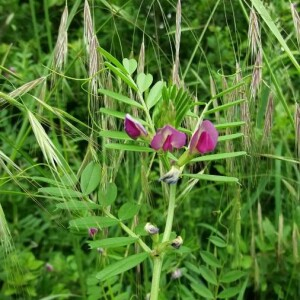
(66, 164)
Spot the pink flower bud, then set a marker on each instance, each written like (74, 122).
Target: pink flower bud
(134, 128)
(49, 267)
(168, 138)
(92, 231)
(204, 139)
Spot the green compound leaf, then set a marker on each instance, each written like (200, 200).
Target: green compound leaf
(93, 221)
(121, 266)
(208, 275)
(154, 94)
(217, 241)
(232, 276)
(202, 290)
(229, 292)
(212, 177)
(126, 147)
(112, 242)
(90, 178)
(120, 135)
(130, 65)
(144, 81)
(109, 196)
(62, 192)
(219, 156)
(77, 205)
(210, 259)
(128, 211)
(120, 98)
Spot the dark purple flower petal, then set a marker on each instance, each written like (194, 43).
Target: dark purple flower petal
(204, 139)
(168, 138)
(134, 128)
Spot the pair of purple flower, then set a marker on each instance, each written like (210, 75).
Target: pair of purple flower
(167, 138)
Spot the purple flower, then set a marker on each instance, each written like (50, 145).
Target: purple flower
(92, 231)
(134, 128)
(168, 138)
(204, 139)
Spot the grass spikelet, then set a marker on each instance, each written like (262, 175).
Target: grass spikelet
(254, 36)
(47, 147)
(268, 119)
(175, 75)
(296, 21)
(23, 89)
(297, 129)
(280, 236)
(141, 62)
(61, 47)
(295, 241)
(256, 75)
(5, 236)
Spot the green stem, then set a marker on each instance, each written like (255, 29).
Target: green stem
(158, 260)
(170, 214)
(157, 264)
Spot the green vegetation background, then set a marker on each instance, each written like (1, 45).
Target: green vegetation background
(258, 220)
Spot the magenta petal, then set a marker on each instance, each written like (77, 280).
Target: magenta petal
(168, 138)
(157, 141)
(167, 146)
(134, 128)
(204, 139)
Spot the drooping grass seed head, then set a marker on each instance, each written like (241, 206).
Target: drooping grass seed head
(168, 138)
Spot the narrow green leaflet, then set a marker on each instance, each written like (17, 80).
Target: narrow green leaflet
(77, 205)
(128, 211)
(93, 221)
(212, 177)
(144, 81)
(121, 266)
(208, 275)
(123, 76)
(229, 125)
(232, 276)
(210, 259)
(230, 137)
(224, 106)
(115, 135)
(202, 290)
(130, 65)
(112, 242)
(120, 98)
(113, 113)
(154, 94)
(217, 241)
(62, 192)
(109, 196)
(126, 147)
(229, 292)
(112, 59)
(219, 156)
(90, 178)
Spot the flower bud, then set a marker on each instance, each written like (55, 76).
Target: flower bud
(151, 229)
(134, 128)
(204, 139)
(168, 138)
(176, 243)
(172, 176)
(176, 274)
(49, 267)
(92, 231)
